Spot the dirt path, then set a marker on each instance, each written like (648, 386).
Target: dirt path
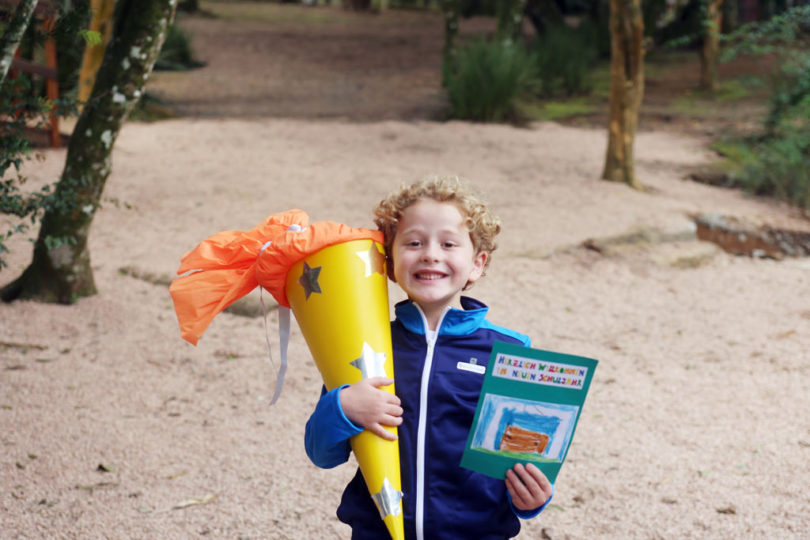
(696, 426)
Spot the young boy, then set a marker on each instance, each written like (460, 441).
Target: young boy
(439, 238)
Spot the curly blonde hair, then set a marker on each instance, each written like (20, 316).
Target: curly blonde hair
(483, 225)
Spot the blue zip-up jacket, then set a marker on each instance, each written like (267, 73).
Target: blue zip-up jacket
(438, 379)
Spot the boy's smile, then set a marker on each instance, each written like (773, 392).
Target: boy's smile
(434, 257)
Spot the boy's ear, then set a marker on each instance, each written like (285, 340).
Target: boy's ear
(479, 263)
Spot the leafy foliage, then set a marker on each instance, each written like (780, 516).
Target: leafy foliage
(565, 56)
(487, 78)
(22, 110)
(176, 53)
(777, 162)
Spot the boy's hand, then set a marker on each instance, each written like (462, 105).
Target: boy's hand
(371, 408)
(528, 486)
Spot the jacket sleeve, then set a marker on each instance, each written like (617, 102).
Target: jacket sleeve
(328, 431)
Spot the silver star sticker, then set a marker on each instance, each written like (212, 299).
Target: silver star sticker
(387, 500)
(309, 280)
(374, 260)
(371, 363)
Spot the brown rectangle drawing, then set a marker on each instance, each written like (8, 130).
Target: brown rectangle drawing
(517, 439)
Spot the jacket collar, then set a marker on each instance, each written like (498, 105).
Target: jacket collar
(456, 322)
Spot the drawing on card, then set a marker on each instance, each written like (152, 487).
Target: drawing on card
(526, 429)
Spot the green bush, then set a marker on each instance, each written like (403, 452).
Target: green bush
(565, 57)
(778, 162)
(779, 167)
(486, 78)
(176, 54)
(790, 99)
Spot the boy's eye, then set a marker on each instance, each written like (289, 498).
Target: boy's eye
(413, 243)
(448, 244)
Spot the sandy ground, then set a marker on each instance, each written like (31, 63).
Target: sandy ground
(696, 426)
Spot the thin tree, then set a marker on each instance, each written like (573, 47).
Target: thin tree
(11, 38)
(510, 20)
(60, 270)
(626, 89)
(451, 10)
(713, 24)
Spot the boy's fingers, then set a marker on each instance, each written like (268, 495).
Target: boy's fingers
(377, 429)
(516, 488)
(540, 478)
(391, 420)
(378, 382)
(529, 488)
(395, 410)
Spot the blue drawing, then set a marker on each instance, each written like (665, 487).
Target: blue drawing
(544, 428)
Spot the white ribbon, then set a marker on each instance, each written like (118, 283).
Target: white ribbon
(284, 341)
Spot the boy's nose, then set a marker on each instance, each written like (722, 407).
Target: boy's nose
(430, 253)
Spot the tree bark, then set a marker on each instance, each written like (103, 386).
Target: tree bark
(510, 20)
(60, 270)
(711, 44)
(731, 16)
(451, 9)
(13, 35)
(626, 89)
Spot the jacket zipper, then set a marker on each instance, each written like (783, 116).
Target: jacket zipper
(422, 426)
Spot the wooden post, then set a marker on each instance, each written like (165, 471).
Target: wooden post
(102, 22)
(52, 82)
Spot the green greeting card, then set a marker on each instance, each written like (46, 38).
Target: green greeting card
(528, 410)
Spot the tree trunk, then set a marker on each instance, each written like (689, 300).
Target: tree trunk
(544, 14)
(731, 16)
(60, 270)
(510, 20)
(711, 45)
(626, 89)
(13, 34)
(451, 10)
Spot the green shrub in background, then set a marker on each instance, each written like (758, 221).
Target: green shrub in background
(487, 78)
(176, 54)
(790, 100)
(777, 162)
(565, 57)
(779, 167)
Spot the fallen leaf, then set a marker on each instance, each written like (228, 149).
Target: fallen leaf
(177, 475)
(726, 510)
(195, 502)
(105, 468)
(98, 485)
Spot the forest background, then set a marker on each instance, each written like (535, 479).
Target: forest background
(109, 419)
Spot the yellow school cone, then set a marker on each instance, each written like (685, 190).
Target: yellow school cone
(339, 296)
(333, 277)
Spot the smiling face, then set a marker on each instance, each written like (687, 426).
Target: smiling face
(434, 257)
